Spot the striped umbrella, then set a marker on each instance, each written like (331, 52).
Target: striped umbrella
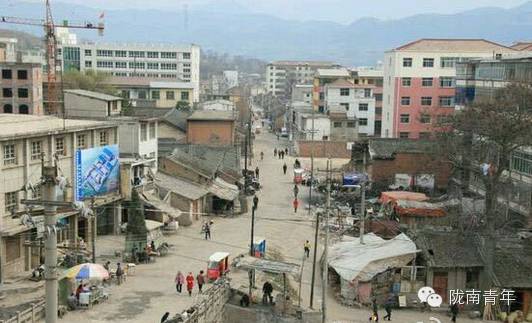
(87, 271)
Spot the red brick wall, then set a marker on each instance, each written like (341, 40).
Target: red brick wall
(211, 132)
(385, 170)
(323, 149)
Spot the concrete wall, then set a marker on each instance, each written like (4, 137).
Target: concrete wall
(82, 106)
(211, 132)
(333, 149)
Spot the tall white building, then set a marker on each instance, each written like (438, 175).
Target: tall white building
(231, 78)
(178, 63)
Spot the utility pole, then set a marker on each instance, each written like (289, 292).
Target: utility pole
(49, 174)
(325, 272)
(93, 235)
(310, 212)
(363, 198)
(311, 166)
(251, 272)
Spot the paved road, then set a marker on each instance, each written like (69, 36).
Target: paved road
(151, 292)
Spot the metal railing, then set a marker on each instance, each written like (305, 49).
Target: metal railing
(32, 314)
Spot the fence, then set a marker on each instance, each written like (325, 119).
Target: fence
(32, 314)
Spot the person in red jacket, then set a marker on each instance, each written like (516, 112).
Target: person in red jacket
(296, 204)
(190, 283)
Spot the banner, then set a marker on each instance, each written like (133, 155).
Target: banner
(97, 171)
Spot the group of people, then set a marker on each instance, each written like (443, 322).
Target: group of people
(180, 280)
(388, 305)
(280, 152)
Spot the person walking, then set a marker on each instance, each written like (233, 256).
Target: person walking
(295, 203)
(200, 278)
(286, 151)
(179, 281)
(207, 230)
(296, 191)
(119, 273)
(279, 153)
(284, 168)
(261, 155)
(306, 248)
(454, 312)
(375, 310)
(282, 154)
(388, 308)
(275, 152)
(190, 283)
(257, 172)
(267, 290)
(255, 202)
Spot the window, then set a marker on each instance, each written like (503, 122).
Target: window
(378, 97)
(120, 53)
(170, 95)
(407, 62)
(11, 201)
(10, 154)
(135, 53)
(186, 55)
(22, 74)
(136, 65)
(428, 62)
(7, 92)
(362, 107)
(7, 74)
(81, 144)
(36, 150)
(405, 100)
(156, 95)
(424, 118)
(153, 66)
(121, 64)
(22, 93)
(88, 52)
(405, 118)
(367, 93)
(88, 64)
(337, 124)
(426, 81)
(143, 131)
(522, 162)
(363, 122)
(448, 62)
(184, 96)
(60, 147)
(153, 54)
(344, 92)
(424, 135)
(406, 81)
(104, 138)
(404, 135)
(446, 101)
(426, 100)
(169, 55)
(142, 94)
(351, 124)
(152, 130)
(446, 82)
(8, 108)
(104, 53)
(168, 66)
(104, 64)
(23, 109)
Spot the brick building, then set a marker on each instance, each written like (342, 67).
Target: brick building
(21, 85)
(214, 128)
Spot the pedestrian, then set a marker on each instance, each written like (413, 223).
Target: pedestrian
(255, 202)
(179, 281)
(200, 278)
(267, 290)
(257, 172)
(282, 154)
(285, 168)
(296, 191)
(295, 204)
(190, 283)
(119, 273)
(306, 248)
(454, 312)
(207, 230)
(275, 152)
(261, 155)
(375, 310)
(279, 153)
(388, 308)
(286, 151)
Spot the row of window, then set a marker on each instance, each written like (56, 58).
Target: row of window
(443, 101)
(36, 147)
(185, 77)
(146, 129)
(170, 95)
(347, 91)
(22, 109)
(522, 162)
(135, 65)
(349, 124)
(7, 74)
(423, 118)
(445, 62)
(136, 54)
(445, 82)
(361, 106)
(7, 92)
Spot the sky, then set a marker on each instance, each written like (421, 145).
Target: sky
(340, 11)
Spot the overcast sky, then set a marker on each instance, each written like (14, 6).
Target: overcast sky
(343, 11)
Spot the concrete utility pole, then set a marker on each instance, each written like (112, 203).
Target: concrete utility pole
(325, 272)
(50, 244)
(363, 199)
(310, 213)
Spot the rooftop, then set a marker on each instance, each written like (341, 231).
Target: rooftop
(513, 261)
(177, 119)
(94, 95)
(184, 188)
(386, 148)
(150, 112)
(204, 115)
(523, 46)
(148, 82)
(332, 72)
(17, 125)
(454, 45)
(341, 83)
(309, 63)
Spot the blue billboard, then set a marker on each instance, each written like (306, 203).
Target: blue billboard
(97, 171)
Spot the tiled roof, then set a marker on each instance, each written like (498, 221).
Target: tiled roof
(513, 261)
(184, 188)
(210, 115)
(94, 95)
(386, 148)
(522, 46)
(340, 83)
(177, 119)
(150, 112)
(458, 45)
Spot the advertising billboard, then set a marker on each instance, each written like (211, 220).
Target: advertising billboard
(97, 171)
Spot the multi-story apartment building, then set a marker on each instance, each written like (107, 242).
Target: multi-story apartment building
(24, 140)
(177, 63)
(321, 78)
(371, 78)
(21, 85)
(419, 82)
(302, 93)
(281, 76)
(478, 79)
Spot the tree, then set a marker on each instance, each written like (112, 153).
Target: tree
(89, 80)
(183, 106)
(136, 224)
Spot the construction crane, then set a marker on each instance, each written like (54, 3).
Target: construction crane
(51, 46)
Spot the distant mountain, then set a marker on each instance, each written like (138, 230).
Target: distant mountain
(25, 40)
(238, 31)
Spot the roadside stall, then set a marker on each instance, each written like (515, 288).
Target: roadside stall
(87, 281)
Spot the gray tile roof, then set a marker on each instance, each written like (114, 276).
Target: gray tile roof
(179, 186)
(94, 95)
(386, 148)
(513, 263)
(150, 112)
(177, 119)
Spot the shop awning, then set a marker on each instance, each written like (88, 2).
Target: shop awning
(223, 190)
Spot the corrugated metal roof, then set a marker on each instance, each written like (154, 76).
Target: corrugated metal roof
(223, 190)
(269, 266)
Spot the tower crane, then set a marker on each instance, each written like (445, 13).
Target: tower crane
(51, 46)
